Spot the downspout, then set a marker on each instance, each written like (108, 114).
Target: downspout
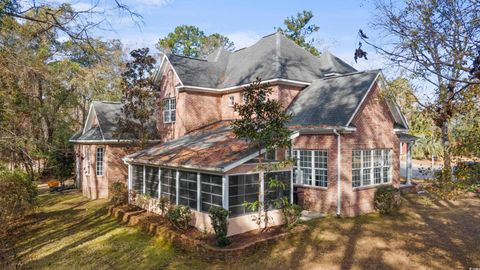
(339, 187)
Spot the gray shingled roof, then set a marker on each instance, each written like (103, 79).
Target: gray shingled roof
(331, 101)
(272, 57)
(107, 113)
(334, 65)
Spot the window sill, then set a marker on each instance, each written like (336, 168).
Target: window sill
(371, 186)
(310, 186)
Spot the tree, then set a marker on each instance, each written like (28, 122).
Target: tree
(263, 123)
(298, 29)
(138, 96)
(435, 41)
(45, 85)
(189, 40)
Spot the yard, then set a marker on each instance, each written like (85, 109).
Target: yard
(70, 232)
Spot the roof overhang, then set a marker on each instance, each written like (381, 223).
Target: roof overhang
(311, 131)
(109, 141)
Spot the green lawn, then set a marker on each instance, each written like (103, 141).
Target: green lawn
(74, 233)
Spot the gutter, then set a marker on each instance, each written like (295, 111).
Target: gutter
(339, 187)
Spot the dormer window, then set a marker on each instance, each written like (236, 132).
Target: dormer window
(169, 108)
(231, 101)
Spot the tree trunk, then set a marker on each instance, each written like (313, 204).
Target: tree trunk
(446, 176)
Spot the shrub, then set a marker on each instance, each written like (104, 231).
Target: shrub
(291, 214)
(387, 199)
(179, 216)
(118, 193)
(163, 203)
(218, 217)
(17, 196)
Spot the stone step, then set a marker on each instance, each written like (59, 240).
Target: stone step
(309, 215)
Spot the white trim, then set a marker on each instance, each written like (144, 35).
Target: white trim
(199, 192)
(144, 180)
(160, 69)
(88, 120)
(363, 99)
(241, 161)
(109, 141)
(177, 186)
(395, 105)
(159, 183)
(261, 177)
(238, 87)
(225, 191)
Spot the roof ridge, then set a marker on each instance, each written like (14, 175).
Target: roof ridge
(349, 74)
(189, 57)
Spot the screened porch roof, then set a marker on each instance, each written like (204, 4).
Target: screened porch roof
(213, 148)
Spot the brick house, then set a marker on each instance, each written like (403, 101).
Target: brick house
(99, 148)
(346, 133)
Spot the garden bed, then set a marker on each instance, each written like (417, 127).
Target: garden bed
(199, 242)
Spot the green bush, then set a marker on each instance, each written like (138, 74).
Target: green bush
(163, 204)
(387, 199)
(179, 216)
(218, 217)
(118, 193)
(291, 215)
(17, 196)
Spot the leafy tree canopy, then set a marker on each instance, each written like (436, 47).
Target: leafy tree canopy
(189, 40)
(299, 30)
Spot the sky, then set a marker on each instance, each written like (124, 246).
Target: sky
(245, 22)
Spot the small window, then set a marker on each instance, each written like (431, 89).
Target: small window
(87, 161)
(99, 156)
(169, 109)
(231, 101)
(244, 98)
(271, 155)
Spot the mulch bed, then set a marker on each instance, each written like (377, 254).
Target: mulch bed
(199, 242)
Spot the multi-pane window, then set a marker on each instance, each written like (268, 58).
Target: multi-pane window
(188, 189)
(168, 180)
(272, 194)
(151, 181)
(87, 161)
(169, 108)
(137, 178)
(211, 191)
(231, 101)
(311, 167)
(99, 161)
(370, 167)
(241, 188)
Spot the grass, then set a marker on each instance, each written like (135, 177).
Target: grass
(74, 233)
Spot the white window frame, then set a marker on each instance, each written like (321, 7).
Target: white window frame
(231, 101)
(87, 161)
(99, 162)
(299, 179)
(385, 163)
(169, 109)
(275, 157)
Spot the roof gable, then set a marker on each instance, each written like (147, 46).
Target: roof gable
(272, 57)
(331, 101)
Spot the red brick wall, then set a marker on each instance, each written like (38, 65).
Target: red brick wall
(196, 109)
(374, 130)
(114, 170)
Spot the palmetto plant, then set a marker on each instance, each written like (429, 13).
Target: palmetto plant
(427, 146)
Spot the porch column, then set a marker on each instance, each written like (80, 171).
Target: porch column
(129, 180)
(159, 182)
(261, 176)
(225, 191)
(177, 187)
(144, 180)
(408, 164)
(199, 191)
